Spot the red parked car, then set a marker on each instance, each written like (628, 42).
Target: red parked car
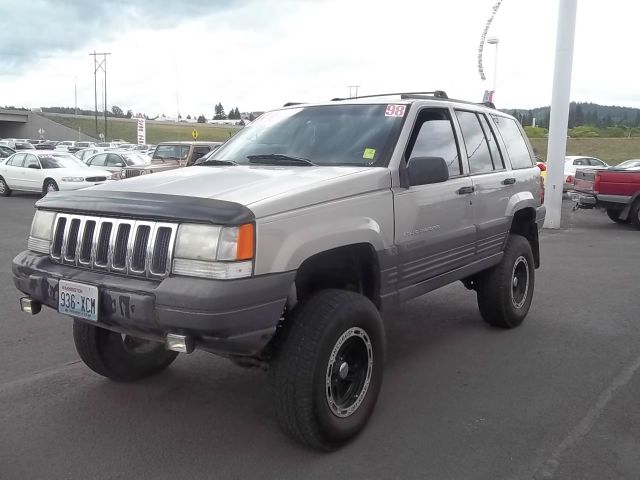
(615, 190)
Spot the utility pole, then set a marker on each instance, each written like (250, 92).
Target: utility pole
(559, 116)
(100, 65)
(75, 93)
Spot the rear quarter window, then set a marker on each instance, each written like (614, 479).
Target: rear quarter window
(514, 141)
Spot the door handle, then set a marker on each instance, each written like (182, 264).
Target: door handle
(509, 181)
(465, 190)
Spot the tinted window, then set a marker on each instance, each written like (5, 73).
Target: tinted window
(16, 160)
(583, 162)
(199, 152)
(514, 141)
(114, 160)
(476, 143)
(98, 160)
(433, 137)
(496, 154)
(5, 152)
(31, 162)
(594, 162)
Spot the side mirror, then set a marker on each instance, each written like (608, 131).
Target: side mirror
(34, 166)
(425, 170)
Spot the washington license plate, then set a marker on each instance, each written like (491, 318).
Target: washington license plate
(78, 300)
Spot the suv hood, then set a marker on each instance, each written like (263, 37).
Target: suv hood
(264, 189)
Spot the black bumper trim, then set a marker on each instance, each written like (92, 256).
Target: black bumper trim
(227, 316)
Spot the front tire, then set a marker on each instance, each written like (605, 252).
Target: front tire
(123, 359)
(505, 291)
(328, 368)
(634, 214)
(5, 191)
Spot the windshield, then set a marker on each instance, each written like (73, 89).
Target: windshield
(629, 164)
(171, 152)
(362, 135)
(136, 159)
(55, 160)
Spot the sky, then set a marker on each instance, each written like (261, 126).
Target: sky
(170, 56)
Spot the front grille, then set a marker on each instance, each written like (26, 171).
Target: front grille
(131, 247)
(96, 179)
(133, 172)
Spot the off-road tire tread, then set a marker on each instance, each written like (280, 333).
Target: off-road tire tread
(295, 361)
(91, 345)
(494, 285)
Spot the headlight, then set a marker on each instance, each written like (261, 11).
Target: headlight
(72, 179)
(214, 252)
(41, 231)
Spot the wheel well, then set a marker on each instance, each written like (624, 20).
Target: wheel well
(352, 267)
(524, 223)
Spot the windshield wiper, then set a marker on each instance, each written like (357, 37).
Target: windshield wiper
(213, 161)
(280, 159)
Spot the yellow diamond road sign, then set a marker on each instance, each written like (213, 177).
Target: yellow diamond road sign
(194, 134)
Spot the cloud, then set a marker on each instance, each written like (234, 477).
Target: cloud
(38, 29)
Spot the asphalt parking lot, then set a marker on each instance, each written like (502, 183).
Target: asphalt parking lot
(555, 398)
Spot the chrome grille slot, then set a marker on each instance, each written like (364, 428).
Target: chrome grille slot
(58, 237)
(139, 248)
(70, 244)
(119, 255)
(160, 263)
(128, 173)
(101, 255)
(130, 247)
(86, 243)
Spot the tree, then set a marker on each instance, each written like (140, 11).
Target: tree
(179, 117)
(219, 112)
(579, 115)
(188, 117)
(129, 113)
(117, 111)
(202, 119)
(251, 117)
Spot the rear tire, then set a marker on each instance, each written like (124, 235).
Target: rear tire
(328, 368)
(5, 191)
(121, 359)
(615, 215)
(505, 291)
(49, 186)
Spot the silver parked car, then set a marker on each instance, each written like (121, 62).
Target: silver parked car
(116, 161)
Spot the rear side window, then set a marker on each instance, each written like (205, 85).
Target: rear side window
(433, 137)
(16, 160)
(99, 160)
(514, 141)
(476, 143)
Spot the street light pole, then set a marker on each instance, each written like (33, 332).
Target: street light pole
(559, 116)
(494, 41)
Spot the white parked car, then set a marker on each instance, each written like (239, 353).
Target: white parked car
(86, 153)
(64, 146)
(573, 163)
(47, 171)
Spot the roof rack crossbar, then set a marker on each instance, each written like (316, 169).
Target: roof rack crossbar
(435, 93)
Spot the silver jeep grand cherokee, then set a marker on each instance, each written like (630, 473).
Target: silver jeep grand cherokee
(282, 249)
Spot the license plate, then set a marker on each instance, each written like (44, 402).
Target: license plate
(78, 300)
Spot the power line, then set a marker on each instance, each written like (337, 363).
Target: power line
(100, 65)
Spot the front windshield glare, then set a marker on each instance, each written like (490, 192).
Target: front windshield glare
(359, 135)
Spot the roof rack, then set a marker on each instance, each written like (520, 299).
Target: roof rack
(434, 94)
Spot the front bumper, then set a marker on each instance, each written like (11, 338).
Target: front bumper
(230, 317)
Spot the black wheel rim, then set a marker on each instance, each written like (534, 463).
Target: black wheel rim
(139, 346)
(520, 282)
(349, 372)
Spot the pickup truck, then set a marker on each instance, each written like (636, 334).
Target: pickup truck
(284, 247)
(617, 191)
